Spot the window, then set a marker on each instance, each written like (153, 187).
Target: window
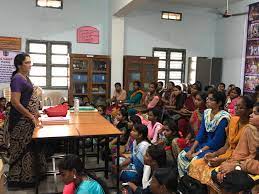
(50, 63)
(50, 3)
(171, 64)
(171, 16)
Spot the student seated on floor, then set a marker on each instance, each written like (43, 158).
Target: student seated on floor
(154, 126)
(173, 143)
(154, 158)
(133, 120)
(132, 168)
(72, 171)
(164, 181)
(121, 123)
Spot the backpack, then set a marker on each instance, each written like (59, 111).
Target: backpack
(189, 185)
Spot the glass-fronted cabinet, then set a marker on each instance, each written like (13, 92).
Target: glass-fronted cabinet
(89, 78)
(139, 68)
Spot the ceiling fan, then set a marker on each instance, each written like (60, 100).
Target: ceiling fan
(228, 14)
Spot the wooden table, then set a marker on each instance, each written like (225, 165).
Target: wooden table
(81, 125)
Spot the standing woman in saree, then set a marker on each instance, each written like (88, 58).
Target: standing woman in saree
(23, 119)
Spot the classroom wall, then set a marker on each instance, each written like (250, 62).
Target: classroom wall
(195, 33)
(230, 43)
(23, 19)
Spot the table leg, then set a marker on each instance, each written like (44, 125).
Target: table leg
(118, 164)
(106, 157)
(83, 151)
(98, 150)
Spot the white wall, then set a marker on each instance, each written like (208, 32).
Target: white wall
(230, 43)
(195, 33)
(23, 19)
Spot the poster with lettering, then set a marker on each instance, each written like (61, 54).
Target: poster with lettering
(251, 78)
(88, 34)
(6, 65)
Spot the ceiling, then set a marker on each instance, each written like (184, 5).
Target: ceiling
(158, 4)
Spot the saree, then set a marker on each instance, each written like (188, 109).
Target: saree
(21, 170)
(245, 154)
(211, 133)
(195, 121)
(200, 170)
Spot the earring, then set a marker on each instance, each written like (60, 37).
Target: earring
(74, 176)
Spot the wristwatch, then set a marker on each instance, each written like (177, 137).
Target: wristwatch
(200, 151)
(238, 167)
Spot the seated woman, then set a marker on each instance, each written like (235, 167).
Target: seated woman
(176, 104)
(179, 98)
(187, 110)
(154, 158)
(121, 123)
(133, 120)
(201, 169)
(196, 117)
(151, 99)
(232, 100)
(72, 171)
(244, 158)
(189, 104)
(167, 94)
(172, 142)
(164, 181)
(211, 135)
(102, 111)
(133, 167)
(134, 96)
(154, 126)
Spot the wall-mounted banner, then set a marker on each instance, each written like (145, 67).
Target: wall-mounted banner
(252, 50)
(6, 65)
(10, 43)
(88, 34)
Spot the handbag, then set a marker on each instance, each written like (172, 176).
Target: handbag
(57, 111)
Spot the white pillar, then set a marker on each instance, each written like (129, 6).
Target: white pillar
(117, 50)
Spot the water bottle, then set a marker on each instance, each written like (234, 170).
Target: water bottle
(76, 105)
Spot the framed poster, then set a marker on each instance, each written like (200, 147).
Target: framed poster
(6, 65)
(251, 73)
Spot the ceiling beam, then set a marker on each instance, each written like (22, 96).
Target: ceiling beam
(121, 8)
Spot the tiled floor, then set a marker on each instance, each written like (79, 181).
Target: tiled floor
(47, 186)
